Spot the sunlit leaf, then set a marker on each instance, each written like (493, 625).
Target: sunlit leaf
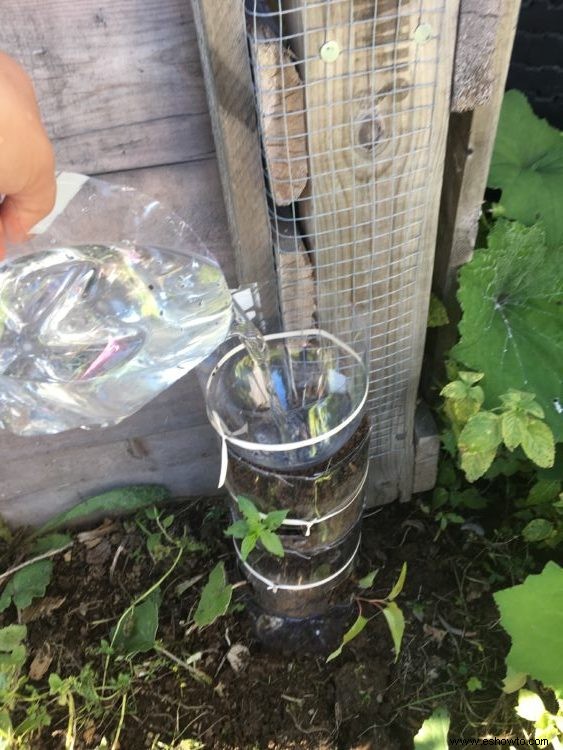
(215, 597)
(433, 734)
(396, 623)
(398, 587)
(349, 635)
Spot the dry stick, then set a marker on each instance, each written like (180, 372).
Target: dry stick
(22, 565)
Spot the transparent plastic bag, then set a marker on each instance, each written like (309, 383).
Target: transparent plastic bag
(113, 300)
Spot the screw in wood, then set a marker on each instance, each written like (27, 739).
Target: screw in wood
(330, 51)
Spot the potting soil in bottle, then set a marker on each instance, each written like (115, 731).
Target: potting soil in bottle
(89, 334)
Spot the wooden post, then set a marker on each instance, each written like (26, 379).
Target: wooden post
(377, 80)
(470, 144)
(221, 34)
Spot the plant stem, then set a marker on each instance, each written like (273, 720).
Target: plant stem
(70, 729)
(115, 743)
(50, 553)
(137, 601)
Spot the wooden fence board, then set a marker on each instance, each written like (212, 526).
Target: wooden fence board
(119, 84)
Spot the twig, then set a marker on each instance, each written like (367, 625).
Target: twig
(115, 743)
(50, 553)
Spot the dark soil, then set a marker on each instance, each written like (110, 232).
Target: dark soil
(362, 700)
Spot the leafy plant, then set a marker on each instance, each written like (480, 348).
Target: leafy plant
(391, 611)
(256, 528)
(433, 734)
(527, 164)
(215, 597)
(512, 324)
(547, 726)
(26, 585)
(121, 501)
(437, 313)
(532, 615)
(481, 433)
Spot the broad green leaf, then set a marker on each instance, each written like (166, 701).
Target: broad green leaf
(530, 706)
(532, 615)
(215, 597)
(117, 502)
(544, 491)
(538, 443)
(476, 464)
(481, 434)
(537, 530)
(272, 543)
(50, 542)
(398, 587)
(238, 529)
(437, 313)
(349, 635)
(455, 390)
(27, 584)
(396, 623)
(433, 734)
(275, 519)
(248, 510)
(527, 165)
(512, 324)
(248, 544)
(513, 426)
(137, 633)
(367, 581)
(12, 636)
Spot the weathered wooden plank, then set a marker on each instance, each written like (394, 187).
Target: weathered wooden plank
(470, 143)
(185, 460)
(377, 82)
(119, 84)
(222, 41)
(193, 191)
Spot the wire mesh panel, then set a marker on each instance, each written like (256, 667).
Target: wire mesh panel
(346, 92)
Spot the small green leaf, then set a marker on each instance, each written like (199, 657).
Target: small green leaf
(272, 543)
(433, 734)
(538, 443)
(50, 542)
(396, 623)
(27, 584)
(137, 633)
(12, 636)
(470, 377)
(513, 425)
(248, 510)
(367, 581)
(437, 313)
(238, 529)
(275, 519)
(168, 521)
(398, 587)
(457, 390)
(473, 684)
(349, 635)
(544, 491)
(215, 597)
(248, 544)
(121, 501)
(537, 530)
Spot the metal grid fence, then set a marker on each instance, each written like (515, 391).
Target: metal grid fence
(345, 93)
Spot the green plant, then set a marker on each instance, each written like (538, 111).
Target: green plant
(516, 423)
(547, 726)
(215, 597)
(512, 324)
(388, 606)
(527, 164)
(256, 527)
(532, 615)
(433, 734)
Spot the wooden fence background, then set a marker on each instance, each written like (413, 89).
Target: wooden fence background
(122, 93)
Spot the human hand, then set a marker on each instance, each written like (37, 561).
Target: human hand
(27, 162)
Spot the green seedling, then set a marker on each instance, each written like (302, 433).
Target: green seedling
(256, 528)
(391, 611)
